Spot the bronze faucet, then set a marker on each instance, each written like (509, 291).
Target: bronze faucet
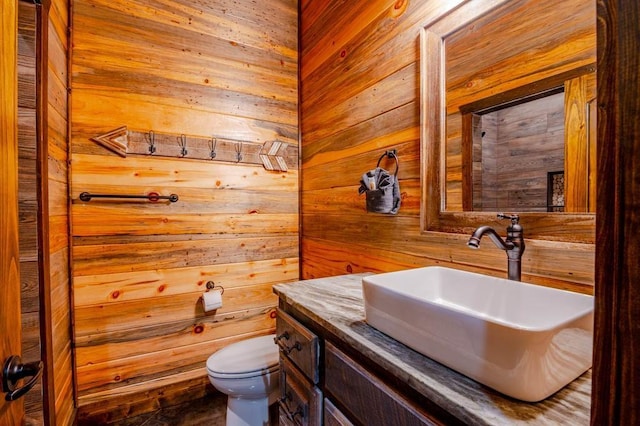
(513, 245)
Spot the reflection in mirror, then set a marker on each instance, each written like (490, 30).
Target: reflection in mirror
(518, 156)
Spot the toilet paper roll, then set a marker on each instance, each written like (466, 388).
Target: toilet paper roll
(212, 300)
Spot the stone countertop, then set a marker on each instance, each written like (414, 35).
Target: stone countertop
(336, 304)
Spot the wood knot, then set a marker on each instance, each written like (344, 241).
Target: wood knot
(198, 329)
(115, 294)
(399, 8)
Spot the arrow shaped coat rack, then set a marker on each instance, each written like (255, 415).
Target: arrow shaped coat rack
(272, 155)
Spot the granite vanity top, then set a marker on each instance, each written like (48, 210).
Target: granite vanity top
(336, 304)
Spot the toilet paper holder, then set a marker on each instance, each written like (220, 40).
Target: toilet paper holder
(212, 286)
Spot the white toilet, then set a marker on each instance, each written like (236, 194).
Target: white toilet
(248, 372)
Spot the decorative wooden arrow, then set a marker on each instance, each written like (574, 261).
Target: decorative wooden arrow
(115, 140)
(272, 155)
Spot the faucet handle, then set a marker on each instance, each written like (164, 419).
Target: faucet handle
(514, 217)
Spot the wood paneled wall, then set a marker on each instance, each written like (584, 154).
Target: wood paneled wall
(45, 254)
(28, 201)
(219, 68)
(61, 390)
(360, 96)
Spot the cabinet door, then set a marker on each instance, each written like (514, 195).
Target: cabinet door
(298, 344)
(300, 401)
(368, 399)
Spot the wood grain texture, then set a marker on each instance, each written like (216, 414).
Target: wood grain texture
(163, 394)
(580, 145)
(60, 382)
(528, 137)
(616, 378)
(361, 96)
(11, 413)
(28, 190)
(224, 69)
(367, 396)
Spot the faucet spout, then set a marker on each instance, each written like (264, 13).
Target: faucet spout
(513, 245)
(474, 240)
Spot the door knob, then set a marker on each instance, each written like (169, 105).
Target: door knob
(13, 371)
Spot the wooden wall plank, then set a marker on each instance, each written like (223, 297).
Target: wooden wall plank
(119, 287)
(59, 394)
(366, 59)
(542, 258)
(90, 260)
(28, 200)
(140, 268)
(93, 348)
(171, 390)
(91, 172)
(163, 310)
(121, 223)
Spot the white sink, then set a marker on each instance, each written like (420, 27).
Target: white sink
(524, 340)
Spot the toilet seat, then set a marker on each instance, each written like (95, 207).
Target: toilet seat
(248, 358)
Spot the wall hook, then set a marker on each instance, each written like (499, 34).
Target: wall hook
(182, 141)
(392, 153)
(212, 146)
(239, 151)
(151, 140)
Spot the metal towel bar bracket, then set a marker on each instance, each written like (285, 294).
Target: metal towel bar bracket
(152, 196)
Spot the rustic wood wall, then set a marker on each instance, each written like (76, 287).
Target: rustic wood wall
(28, 201)
(360, 96)
(218, 68)
(60, 392)
(58, 326)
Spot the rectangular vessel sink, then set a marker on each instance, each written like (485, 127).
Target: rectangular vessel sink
(524, 340)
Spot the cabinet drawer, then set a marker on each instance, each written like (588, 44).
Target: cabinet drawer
(298, 344)
(333, 416)
(300, 401)
(370, 401)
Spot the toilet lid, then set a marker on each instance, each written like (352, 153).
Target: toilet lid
(258, 355)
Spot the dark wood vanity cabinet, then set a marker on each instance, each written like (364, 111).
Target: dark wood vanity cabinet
(300, 399)
(369, 400)
(333, 416)
(352, 394)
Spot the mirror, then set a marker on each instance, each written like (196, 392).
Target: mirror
(487, 57)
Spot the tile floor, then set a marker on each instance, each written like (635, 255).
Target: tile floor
(210, 410)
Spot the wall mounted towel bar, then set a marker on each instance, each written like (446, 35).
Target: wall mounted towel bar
(152, 196)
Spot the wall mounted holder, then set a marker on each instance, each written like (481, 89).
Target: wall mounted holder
(152, 196)
(381, 188)
(272, 155)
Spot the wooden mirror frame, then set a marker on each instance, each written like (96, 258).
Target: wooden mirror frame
(566, 227)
